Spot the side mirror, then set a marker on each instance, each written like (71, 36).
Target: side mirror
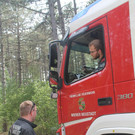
(53, 64)
(54, 67)
(53, 55)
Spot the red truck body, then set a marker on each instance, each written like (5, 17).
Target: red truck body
(101, 102)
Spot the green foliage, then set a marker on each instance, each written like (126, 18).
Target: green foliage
(39, 92)
(14, 96)
(47, 110)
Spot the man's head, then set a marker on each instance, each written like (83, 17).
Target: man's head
(28, 110)
(95, 48)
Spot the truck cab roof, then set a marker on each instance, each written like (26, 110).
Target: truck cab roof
(93, 11)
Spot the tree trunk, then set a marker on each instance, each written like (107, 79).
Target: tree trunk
(3, 73)
(19, 54)
(2, 60)
(75, 9)
(53, 20)
(45, 67)
(62, 25)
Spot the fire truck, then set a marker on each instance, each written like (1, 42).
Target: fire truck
(93, 100)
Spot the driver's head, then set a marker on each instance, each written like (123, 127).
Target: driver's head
(95, 48)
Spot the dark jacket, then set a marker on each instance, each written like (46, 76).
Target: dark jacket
(101, 63)
(22, 127)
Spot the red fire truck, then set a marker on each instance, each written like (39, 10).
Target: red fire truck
(93, 100)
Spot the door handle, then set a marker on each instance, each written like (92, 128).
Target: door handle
(105, 101)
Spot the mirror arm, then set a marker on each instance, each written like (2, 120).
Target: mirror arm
(59, 86)
(54, 94)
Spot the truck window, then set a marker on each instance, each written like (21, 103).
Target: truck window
(85, 56)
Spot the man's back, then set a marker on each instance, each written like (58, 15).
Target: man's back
(22, 127)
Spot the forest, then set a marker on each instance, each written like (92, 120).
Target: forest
(26, 28)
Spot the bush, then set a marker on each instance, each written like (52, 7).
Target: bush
(47, 110)
(39, 92)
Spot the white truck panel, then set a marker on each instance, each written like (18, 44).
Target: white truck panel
(116, 123)
(98, 9)
(132, 27)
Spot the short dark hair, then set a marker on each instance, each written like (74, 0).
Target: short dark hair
(97, 44)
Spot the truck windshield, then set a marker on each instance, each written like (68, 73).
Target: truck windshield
(81, 62)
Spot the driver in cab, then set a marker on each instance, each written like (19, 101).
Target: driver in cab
(96, 51)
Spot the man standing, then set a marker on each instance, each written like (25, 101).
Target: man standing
(24, 125)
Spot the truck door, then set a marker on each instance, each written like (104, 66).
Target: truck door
(87, 92)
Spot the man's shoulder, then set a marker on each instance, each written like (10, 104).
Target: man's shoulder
(15, 130)
(21, 127)
(22, 123)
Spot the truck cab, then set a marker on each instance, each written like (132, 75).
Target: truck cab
(95, 99)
